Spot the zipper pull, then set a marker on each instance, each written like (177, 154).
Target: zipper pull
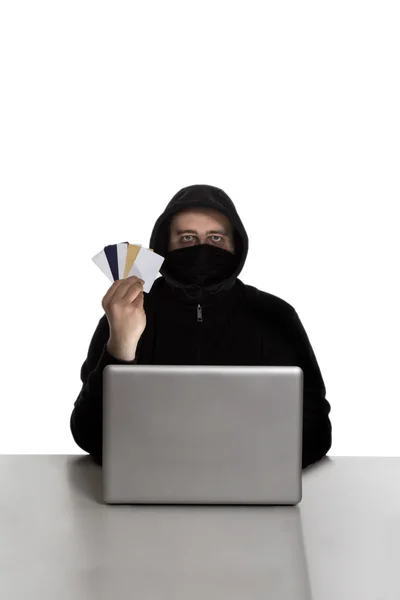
(199, 314)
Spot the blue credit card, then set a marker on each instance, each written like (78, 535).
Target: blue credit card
(112, 258)
(111, 253)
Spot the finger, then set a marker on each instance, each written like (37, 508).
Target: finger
(132, 283)
(133, 277)
(133, 293)
(110, 292)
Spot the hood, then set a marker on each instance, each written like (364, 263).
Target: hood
(204, 196)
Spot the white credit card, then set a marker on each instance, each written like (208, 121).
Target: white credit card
(147, 266)
(101, 261)
(122, 251)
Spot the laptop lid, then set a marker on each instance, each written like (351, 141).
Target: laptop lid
(202, 434)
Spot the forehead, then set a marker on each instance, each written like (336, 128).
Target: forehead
(199, 217)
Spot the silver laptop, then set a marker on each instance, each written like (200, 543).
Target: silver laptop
(202, 434)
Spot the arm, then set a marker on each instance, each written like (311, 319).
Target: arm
(86, 422)
(317, 428)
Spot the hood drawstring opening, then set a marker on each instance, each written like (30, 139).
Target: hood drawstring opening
(186, 291)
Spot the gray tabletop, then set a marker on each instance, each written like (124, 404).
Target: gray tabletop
(59, 541)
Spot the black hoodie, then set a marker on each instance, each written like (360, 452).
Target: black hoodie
(239, 325)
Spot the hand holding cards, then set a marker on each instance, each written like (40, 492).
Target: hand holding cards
(123, 305)
(120, 261)
(133, 270)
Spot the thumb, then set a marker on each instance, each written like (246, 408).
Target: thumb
(140, 299)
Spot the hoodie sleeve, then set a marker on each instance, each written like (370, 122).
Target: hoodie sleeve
(317, 428)
(86, 422)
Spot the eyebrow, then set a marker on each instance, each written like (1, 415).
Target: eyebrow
(218, 231)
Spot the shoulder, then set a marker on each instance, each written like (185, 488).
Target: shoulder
(265, 302)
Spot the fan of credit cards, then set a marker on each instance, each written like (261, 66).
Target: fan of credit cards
(119, 261)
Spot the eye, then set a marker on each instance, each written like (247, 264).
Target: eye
(213, 236)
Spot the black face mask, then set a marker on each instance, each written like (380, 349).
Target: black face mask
(202, 264)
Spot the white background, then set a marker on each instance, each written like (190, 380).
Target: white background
(109, 108)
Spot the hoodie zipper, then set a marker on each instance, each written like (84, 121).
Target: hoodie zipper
(199, 313)
(199, 320)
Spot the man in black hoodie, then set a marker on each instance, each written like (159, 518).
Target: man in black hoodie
(200, 313)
